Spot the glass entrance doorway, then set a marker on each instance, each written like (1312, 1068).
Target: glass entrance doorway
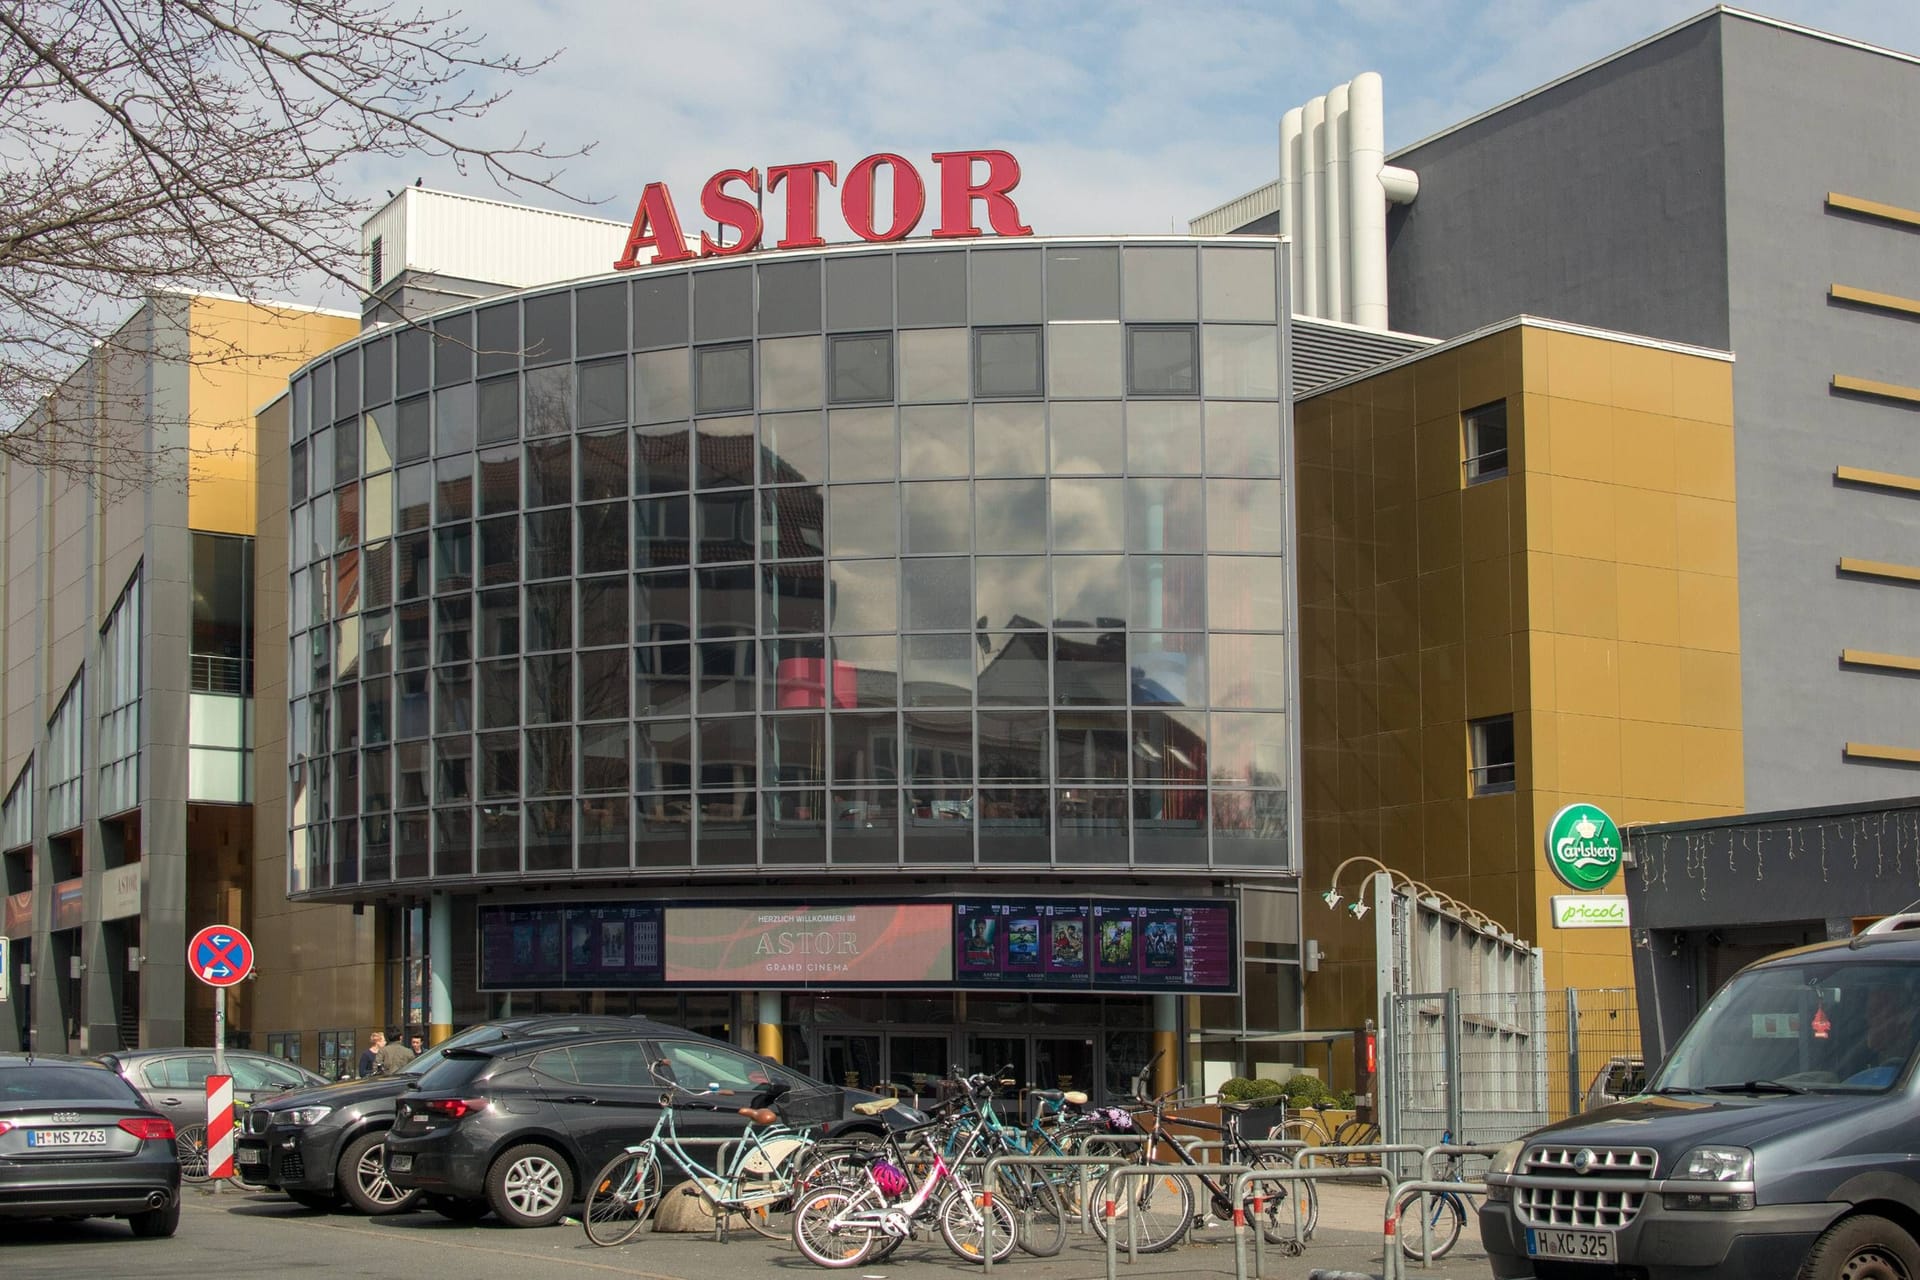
(1038, 1062)
(907, 1064)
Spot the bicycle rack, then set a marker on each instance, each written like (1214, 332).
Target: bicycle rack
(1389, 1245)
(999, 1162)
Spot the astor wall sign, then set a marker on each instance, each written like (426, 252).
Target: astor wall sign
(966, 178)
(1583, 847)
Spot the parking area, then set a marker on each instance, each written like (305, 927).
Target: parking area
(240, 1233)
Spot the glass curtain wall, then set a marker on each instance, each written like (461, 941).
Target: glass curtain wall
(944, 557)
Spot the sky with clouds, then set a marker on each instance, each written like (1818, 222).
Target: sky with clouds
(1128, 116)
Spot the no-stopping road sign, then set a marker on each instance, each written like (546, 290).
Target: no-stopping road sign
(220, 955)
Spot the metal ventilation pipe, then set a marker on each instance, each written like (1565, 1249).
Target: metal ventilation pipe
(1366, 134)
(1313, 133)
(1289, 210)
(1335, 262)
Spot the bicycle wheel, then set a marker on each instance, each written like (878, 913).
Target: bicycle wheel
(620, 1197)
(766, 1200)
(963, 1225)
(1038, 1210)
(1277, 1222)
(1446, 1216)
(1161, 1205)
(1357, 1133)
(820, 1232)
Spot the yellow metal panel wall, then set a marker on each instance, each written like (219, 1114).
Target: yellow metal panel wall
(1592, 592)
(242, 354)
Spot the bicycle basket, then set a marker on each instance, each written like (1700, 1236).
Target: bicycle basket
(890, 1178)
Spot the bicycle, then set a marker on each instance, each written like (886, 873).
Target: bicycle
(757, 1184)
(843, 1226)
(1314, 1131)
(1446, 1214)
(1163, 1204)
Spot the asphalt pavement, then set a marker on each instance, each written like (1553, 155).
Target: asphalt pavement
(240, 1234)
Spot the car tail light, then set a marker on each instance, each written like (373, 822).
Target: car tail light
(149, 1130)
(453, 1108)
(5, 1125)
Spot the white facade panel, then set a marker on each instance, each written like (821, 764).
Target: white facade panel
(438, 233)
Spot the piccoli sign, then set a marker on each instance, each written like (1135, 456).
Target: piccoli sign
(966, 179)
(1583, 847)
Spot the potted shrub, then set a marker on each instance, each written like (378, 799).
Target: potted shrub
(1266, 1099)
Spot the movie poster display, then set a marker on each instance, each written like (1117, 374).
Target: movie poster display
(1020, 944)
(1101, 946)
(582, 945)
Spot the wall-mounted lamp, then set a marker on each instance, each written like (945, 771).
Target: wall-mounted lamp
(74, 967)
(1310, 956)
(1357, 909)
(134, 959)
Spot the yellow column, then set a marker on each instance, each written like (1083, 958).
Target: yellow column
(767, 1035)
(1166, 1044)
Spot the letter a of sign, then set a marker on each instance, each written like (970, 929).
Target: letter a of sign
(654, 223)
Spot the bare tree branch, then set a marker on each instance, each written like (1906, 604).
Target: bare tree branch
(152, 147)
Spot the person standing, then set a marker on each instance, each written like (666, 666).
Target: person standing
(417, 1043)
(370, 1055)
(393, 1056)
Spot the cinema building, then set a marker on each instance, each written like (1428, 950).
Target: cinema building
(878, 654)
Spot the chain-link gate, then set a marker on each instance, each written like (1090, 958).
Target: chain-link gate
(1488, 1067)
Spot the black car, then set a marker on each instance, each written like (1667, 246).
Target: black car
(174, 1083)
(322, 1146)
(1780, 1140)
(523, 1123)
(77, 1142)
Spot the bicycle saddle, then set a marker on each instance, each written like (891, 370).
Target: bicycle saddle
(875, 1107)
(759, 1115)
(1073, 1097)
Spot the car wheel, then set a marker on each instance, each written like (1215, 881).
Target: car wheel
(1863, 1248)
(362, 1177)
(190, 1144)
(530, 1186)
(318, 1201)
(455, 1209)
(157, 1224)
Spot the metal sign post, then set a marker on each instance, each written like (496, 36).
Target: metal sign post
(220, 956)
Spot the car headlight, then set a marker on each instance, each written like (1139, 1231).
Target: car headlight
(1503, 1163)
(1716, 1164)
(301, 1117)
(1713, 1164)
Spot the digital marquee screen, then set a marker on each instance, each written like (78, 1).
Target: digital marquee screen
(1003, 944)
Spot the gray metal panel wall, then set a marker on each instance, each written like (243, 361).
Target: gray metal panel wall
(1324, 353)
(1805, 117)
(1598, 201)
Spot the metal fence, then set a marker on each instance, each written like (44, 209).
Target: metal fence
(1489, 1067)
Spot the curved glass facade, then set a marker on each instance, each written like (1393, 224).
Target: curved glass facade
(933, 556)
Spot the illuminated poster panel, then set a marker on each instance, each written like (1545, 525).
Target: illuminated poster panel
(863, 944)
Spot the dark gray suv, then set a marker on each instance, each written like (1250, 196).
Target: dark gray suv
(322, 1146)
(1781, 1139)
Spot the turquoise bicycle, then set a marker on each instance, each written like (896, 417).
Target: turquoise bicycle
(757, 1183)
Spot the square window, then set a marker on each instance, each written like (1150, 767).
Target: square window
(723, 379)
(1491, 742)
(1484, 434)
(1006, 362)
(1163, 360)
(860, 368)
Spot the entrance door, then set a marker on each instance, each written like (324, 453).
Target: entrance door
(852, 1060)
(916, 1063)
(1064, 1062)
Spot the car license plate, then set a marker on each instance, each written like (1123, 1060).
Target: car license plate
(66, 1137)
(400, 1163)
(249, 1155)
(1584, 1246)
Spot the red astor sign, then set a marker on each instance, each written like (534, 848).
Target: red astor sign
(657, 226)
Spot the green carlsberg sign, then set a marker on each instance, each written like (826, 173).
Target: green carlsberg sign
(1583, 847)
